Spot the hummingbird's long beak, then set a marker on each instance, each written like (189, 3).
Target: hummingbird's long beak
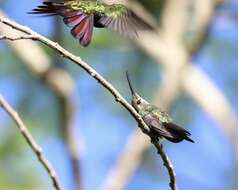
(130, 85)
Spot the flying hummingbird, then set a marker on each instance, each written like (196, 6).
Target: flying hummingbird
(158, 121)
(82, 15)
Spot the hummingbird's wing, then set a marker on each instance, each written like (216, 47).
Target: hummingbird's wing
(82, 23)
(154, 123)
(168, 130)
(119, 18)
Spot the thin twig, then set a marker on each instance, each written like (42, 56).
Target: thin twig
(51, 75)
(167, 164)
(77, 60)
(28, 37)
(31, 141)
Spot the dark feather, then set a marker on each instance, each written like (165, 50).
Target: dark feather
(49, 8)
(170, 131)
(177, 132)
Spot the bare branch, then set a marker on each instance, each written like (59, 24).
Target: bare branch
(31, 142)
(64, 53)
(77, 60)
(37, 61)
(56, 79)
(167, 164)
(29, 37)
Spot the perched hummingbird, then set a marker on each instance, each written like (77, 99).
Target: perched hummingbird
(82, 15)
(157, 120)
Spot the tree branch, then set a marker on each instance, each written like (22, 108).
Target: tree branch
(29, 37)
(38, 64)
(31, 142)
(77, 60)
(118, 97)
(167, 164)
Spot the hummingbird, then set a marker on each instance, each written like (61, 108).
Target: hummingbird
(159, 122)
(83, 15)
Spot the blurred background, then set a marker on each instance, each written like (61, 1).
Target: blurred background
(189, 68)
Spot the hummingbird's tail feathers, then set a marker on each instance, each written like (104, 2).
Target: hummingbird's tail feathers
(83, 29)
(189, 139)
(178, 133)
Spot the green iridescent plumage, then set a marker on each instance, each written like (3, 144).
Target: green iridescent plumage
(158, 121)
(151, 109)
(102, 9)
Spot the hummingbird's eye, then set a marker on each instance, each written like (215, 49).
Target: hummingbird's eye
(138, 101)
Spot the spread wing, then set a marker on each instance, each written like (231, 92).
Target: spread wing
(82, 23)
(120, 19)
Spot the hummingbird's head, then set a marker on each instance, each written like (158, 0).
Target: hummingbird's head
(137, 102)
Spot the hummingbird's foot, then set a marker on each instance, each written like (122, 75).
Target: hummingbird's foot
(153, 138)
(162, 146)
(144, 130)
